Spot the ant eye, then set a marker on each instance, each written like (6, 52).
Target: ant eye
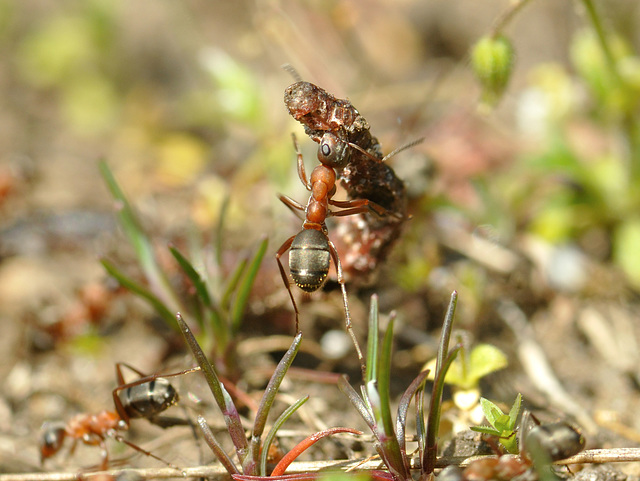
(332, 151)
(326, 150)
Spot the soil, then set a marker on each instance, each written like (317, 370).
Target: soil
(186, 109)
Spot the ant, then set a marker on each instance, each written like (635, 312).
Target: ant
(146, 397)
(311, 250)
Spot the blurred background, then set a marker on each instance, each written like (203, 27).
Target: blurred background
(533, 202)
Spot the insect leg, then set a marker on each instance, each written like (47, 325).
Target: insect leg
(341, 281)
(301, 172)
(285, 278)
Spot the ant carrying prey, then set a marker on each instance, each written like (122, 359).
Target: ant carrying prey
(146, 397)
(311, 250)
(363, 172)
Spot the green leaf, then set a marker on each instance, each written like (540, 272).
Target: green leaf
(509, 440)
(484, 359)
(491, 411)
(485, 430)
(502, 423)
(514, 411)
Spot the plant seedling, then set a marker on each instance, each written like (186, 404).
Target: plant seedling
(252, 453)
(374, 405)
(503, 426)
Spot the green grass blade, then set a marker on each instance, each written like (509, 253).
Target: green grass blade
(274, 430)
(219, 232)
(202, 291)
(420, 425)
(274, 384)
(445, 336)
(244, 288)
(373, 341)
(215, 447)
(232, 284)
(403, 409)
(140, 291)
(229, 411)
(388, 440)
(251, 461)
(435, 409)
(140, 242)
(193, 275)
(357, 402)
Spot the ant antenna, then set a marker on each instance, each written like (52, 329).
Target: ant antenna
(292, 71)
(413, 143)
(390, 154)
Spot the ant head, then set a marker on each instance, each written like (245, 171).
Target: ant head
(53, 435)
(332, 151)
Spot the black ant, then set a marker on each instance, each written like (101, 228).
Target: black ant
(146, 397)
(311, 249)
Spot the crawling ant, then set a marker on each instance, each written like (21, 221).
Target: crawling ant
(539, 447)
(311, 250)
(146, 397)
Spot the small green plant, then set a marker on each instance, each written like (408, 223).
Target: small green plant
(218, 314)
(252, 453)
(374, 405)
(503, 426)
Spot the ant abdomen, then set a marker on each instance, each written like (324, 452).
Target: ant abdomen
(148, 399)
(309, 259)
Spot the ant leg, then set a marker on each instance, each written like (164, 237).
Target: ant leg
(361, 206)
(341, 281)
(301, 172)
(104, 464)
(120, 376)
(285, 278)
(293, 205)
(121, 439)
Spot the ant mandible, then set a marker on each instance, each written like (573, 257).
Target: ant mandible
(311, 250)
(146, 397)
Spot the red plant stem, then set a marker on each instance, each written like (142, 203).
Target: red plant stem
(306, 443)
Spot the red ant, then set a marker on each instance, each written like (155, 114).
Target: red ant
(311, 249)
(146, 397)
